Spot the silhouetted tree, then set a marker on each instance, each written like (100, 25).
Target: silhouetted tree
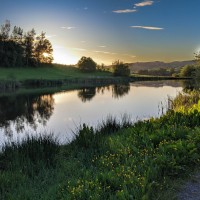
(120, 69)
(43, 49)
(29, 39)
(11, 51)
(18, 49)
(86, 64)
(5, 30)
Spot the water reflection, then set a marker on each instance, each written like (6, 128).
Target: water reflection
(18, 112)
(87, 94)
(32, 112)
(22, 110)
(118, 91)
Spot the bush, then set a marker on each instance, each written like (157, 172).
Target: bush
(188, 71)
(86, 64)
(120, 69)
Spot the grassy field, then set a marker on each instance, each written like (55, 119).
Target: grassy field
(52, 72)
(118, 160)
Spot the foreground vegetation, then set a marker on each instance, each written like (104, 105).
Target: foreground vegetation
(117, 160)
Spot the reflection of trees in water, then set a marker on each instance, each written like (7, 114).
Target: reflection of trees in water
(19, 111)
(87, 94)
(101, 90)
(120, 90)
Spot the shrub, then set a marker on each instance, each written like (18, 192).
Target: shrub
(86, 64)
(120, 69)
(188, 71)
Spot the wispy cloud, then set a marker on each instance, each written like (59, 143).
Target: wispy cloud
(132, 56)
(79, 49)
(50, 36)
(105, 52)
(148, 27)
(102, 46)
(68, 27)
(125, 11)
(144, 3)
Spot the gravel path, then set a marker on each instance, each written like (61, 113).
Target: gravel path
(191, 190)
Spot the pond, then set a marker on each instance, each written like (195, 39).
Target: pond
(61, 113)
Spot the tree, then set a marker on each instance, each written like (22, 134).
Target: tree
(188, 71)
(197, 58)
(86, 64)
(17, 35)
(120, 69)
(5, 29)
(29, 39)
(43, 49)
(19, 49)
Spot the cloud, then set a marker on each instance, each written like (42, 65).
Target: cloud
(102, 46)
(148, 27)
(68, 27)
(105, 52)
(125, 11)
(79, 49)
(144, 3)
(132, 56)
(50, 36)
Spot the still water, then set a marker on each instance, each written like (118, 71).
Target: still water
(62, 112)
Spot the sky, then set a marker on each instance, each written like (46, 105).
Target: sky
(110, 30)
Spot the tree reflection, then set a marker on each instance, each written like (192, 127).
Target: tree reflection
(22, 110)
(120, 90)
(87, 94)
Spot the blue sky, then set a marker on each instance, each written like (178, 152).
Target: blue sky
(108, 30)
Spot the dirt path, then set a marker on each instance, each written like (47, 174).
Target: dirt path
(191, 190)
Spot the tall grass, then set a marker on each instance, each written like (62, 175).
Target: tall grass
(89, 137)
(185, 99)
(30, 155)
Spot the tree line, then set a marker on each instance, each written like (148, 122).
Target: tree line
(23, 49)
(87, 64)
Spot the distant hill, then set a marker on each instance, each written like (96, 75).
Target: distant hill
(158, 64)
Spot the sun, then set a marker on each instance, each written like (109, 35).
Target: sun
(45, 55)
(63, 56)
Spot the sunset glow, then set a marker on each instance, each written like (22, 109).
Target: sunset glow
(131, 31)
(63, 56)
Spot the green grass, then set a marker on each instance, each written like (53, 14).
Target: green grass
(117, 160)
(49, 72)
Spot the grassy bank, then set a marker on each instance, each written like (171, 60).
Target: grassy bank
(118, 160)
(56, 75)
(48, 72)
(52, 76)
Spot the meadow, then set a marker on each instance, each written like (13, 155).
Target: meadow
(46, 72)
(117, 160)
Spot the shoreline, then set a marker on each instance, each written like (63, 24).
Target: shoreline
(78, 82)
